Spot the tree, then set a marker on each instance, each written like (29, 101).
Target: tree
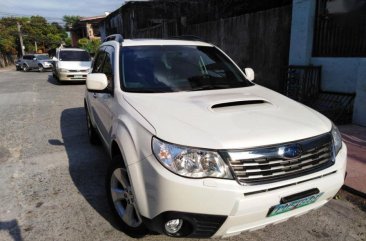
(89, 45)
(70, 21)
(36, 31)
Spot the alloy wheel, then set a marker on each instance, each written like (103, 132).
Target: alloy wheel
(123, 198)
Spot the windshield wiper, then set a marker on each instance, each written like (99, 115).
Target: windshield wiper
(210, 87)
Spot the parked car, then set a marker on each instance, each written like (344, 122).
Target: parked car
(40, 62)
(198, 149)
(71, 64)
(18, 65)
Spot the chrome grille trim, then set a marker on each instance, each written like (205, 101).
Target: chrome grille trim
(288, 185)
(266, 165)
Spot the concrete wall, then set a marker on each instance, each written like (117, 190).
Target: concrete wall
(259, 40)
(339, 74)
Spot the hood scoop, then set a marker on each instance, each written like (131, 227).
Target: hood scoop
(239, 105)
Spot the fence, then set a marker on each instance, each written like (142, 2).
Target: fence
(339, 34)
(163, 30)
(303, 82)
(303, 85)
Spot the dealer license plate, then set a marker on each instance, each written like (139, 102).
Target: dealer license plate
(285, 207)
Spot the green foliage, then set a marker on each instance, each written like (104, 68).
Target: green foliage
(89, 45)
(70, 21)
(68, 41)
(34, 30)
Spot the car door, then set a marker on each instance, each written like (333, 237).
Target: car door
(33, 61)
(104, 101)
(92, 96)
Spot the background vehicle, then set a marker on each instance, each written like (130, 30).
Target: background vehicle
(198, 149)
(40, 62)
(71, 64)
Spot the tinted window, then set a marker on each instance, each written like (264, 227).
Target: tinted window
(108, 71)
(98, 63)
(177, 68)
(42, 57)
(74, 56)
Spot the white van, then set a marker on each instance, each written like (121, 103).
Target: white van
(71, 64)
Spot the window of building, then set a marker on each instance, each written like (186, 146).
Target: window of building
(340, 28)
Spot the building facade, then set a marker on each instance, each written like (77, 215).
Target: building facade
(332, 34)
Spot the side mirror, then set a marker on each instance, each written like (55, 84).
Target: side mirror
(249, 74)
(34, 58)
(54, 58)
(96, 82)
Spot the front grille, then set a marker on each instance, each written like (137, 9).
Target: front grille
(78, 70)
(267, 164)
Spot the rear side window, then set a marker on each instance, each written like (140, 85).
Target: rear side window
(74, 56)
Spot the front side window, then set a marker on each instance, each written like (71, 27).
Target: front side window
(74, 56)
(42, 57)
(108, 71)
(157, 69)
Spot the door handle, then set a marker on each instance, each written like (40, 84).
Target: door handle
(95, 95)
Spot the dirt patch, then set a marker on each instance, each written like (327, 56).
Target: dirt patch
(356, 200)
(4, 154)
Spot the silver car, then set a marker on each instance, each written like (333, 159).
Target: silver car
(40, 62)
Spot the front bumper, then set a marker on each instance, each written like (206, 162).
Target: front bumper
(72, 76)
(47, 66)
(159, 191)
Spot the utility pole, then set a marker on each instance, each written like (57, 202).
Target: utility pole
(20, 38)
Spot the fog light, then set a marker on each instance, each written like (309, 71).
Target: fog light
(173, 226)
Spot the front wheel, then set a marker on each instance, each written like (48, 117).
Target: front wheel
(122, 199)
(40, 68)
(25, 68)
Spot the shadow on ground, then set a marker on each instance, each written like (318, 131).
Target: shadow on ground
(54, 81)
(87, 164)
(12, 227)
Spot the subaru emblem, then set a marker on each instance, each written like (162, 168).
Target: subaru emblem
(291, 151)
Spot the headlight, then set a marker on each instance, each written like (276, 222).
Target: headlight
(337, 139)
(190, 162)
(64, 70)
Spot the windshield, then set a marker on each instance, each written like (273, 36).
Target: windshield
(147, 69)
(74, 56)
(42, 57)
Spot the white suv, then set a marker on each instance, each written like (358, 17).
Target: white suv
(198, 149)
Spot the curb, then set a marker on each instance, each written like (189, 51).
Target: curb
(354, 191)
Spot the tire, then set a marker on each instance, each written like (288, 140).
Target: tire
(25, 68)
(40, 68)
(92, 133)
(122, 199)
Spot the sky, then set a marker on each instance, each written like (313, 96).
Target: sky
(53, 10)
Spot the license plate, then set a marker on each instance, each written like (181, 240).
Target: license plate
(285, 207)
(78, 76)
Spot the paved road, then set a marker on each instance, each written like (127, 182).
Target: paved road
(52, 179)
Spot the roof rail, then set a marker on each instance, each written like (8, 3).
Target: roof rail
(114, 37)
(187, 37)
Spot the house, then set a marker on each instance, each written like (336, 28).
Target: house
(332, 34)
(86, 27)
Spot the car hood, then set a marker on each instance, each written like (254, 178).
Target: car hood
(229, 118)
(74, 65)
